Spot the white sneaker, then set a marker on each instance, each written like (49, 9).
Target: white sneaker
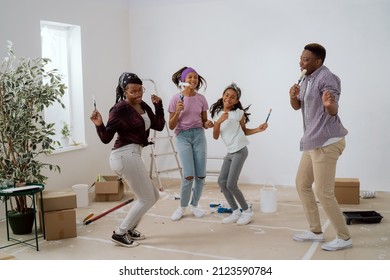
(232, 218)
(245, 218)
(309, 236)
(197, 212)
(337, 244)
(178, 214)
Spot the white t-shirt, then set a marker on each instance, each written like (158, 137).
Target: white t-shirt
(147, 120)
(231, 132)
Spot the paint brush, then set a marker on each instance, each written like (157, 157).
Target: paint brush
(266, 120)
(303, 73)
(94, 102)
(183, 84)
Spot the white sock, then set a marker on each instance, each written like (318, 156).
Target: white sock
(119, 231)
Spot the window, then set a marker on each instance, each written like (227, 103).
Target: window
(62, 44)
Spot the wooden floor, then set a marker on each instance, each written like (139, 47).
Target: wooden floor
(267, 237)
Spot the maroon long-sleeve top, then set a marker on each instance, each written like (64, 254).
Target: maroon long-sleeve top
(129, 125)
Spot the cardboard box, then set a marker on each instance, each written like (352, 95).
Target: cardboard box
(110, 189)
(347, 190)
(57, 200)
(60, 224)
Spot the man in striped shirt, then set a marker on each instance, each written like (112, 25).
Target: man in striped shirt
(322, 143)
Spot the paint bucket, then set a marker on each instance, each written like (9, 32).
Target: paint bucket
(268, 198)
(81, 191)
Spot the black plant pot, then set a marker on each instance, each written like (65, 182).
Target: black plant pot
(21, 223)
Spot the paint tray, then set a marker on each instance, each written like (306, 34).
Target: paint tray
(366, 217)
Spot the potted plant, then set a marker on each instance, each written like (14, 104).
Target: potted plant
(65, 132)
(26, 89)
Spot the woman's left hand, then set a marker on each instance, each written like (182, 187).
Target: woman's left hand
(155, 99)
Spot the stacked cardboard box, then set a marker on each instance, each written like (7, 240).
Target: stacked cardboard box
(347, 190)
(60, 214)
(109, 188)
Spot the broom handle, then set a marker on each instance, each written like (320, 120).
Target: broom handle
(109, 211)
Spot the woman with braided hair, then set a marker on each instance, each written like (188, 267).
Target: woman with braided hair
(131, 118)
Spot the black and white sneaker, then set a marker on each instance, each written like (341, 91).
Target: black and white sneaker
(123, 240)
(134, 234)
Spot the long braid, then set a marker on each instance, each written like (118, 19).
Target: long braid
(119, 94)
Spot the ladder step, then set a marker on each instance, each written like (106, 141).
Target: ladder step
(161, 137)
(168, 170)
(164, 154)
(215, 157)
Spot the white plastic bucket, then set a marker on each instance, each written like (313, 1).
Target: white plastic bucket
(268, 203)
(82, 197)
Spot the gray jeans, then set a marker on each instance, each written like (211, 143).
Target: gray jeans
(228, 178)
(127, 162)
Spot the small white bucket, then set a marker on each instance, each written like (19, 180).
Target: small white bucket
(82, 197)
(268, 198)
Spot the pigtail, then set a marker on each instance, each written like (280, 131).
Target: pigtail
(202, 83)
(216, 107)
(176, 76)
(246, 113)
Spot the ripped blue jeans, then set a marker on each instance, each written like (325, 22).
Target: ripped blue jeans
(192, 148)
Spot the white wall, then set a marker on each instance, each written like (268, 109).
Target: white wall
(256, 43)
(105, 55)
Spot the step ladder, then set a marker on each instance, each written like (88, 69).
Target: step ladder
(171, 151)
(159, 138)
(214, 172)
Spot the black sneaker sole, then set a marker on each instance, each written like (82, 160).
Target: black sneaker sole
(136, 238)
(133, 244)
(140, 237)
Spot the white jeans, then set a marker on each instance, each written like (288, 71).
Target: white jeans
(127, 163)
